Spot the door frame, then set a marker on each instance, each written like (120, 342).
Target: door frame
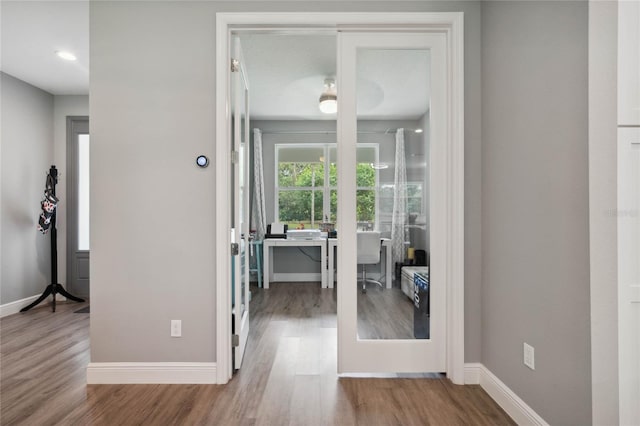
(451, 25)
(628, 287)
(76, 125)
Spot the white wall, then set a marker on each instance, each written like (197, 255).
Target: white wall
(27, 155)
(63, 106)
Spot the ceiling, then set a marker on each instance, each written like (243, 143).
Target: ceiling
(286, 76)
(286, 72)
(32, 31)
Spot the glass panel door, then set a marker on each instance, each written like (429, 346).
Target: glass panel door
(387, 203)
(240, 194)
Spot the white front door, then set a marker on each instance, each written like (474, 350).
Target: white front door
(629, 274)
(240, 205)
(380, 329)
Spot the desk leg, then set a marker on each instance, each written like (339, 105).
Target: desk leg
(267, 265)
(387, 255)
(323, 264)
(259, 263)
(330, 268)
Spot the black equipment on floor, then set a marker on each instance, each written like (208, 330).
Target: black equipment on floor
(421, 310)
(47, 222)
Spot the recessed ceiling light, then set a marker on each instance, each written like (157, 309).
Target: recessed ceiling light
(418, 131)
(66, 55)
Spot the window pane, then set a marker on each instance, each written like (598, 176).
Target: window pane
(333, 174)
(300, 174)
(334, 206)
(300, 154)
(365, 175)
(299, 208)
(83, 192)
(366, 205)
(407, 305)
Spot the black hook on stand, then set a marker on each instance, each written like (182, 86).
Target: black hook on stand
(54, 287)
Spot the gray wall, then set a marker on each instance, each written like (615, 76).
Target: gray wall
(535, 284)
(152, 109)
(603, 58)
(152, 225)
(27, 154)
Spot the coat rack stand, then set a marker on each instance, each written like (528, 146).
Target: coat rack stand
(54, 287)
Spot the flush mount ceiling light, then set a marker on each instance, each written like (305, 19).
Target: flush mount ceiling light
(418, 130)
(328, 102)
(66, 55)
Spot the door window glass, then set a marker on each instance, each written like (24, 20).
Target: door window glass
(83, 192)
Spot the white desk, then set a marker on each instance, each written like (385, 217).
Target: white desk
(269, 243)
(386, 243)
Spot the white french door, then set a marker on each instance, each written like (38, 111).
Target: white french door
(444, 41)
(240, 195)
(370, 340)
(629, 273)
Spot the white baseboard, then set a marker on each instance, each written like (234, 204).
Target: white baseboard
(14, 307)
(296, 277)
(520, 412)
(472, 373)
(151, 372)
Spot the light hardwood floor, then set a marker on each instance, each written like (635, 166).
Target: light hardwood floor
(288, 377)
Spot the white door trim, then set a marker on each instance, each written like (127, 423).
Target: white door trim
(451, 25)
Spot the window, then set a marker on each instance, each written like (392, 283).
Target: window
(83, 192)
(307, 184)
(415, 206)
(417, 210)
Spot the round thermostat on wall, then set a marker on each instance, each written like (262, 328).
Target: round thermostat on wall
(202, 161)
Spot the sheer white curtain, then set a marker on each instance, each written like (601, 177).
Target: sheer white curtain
(259, 215)
(399, 214)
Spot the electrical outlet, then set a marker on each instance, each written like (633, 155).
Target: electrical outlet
(529, 356)
(176, 328)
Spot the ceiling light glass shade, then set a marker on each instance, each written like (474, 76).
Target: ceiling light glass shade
(328, 102)
(66, 55)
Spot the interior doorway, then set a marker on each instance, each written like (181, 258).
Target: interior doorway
(331, 23)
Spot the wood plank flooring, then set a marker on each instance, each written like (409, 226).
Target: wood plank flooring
(288, 377)
(384, 314)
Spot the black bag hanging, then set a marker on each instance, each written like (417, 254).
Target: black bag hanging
(48, 204)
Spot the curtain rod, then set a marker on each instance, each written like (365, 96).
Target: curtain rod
(330, 132)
